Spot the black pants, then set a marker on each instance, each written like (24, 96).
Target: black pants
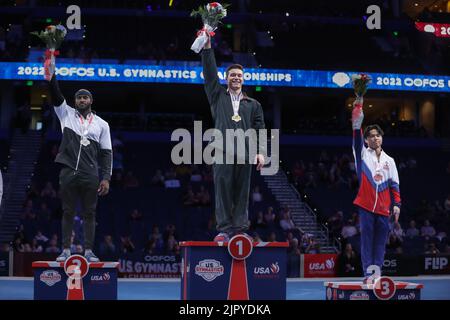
(232, 191)
(77, 186)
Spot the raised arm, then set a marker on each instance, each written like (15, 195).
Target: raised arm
(358, 140)
(212, 83)
(56, 96)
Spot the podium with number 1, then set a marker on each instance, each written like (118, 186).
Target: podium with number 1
(236, 270)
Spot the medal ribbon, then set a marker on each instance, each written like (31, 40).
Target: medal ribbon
(86, 126)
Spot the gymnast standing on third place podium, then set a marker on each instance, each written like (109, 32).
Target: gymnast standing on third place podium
(378, 182)
(86, 143)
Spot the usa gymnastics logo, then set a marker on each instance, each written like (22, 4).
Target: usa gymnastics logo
(50, 277)
(209, 269)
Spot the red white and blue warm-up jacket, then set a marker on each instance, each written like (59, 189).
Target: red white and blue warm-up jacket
(378, 180)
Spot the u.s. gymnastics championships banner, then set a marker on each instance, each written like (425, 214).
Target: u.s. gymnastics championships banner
(194, 75)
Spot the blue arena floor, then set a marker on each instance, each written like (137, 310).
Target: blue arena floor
(11, 288)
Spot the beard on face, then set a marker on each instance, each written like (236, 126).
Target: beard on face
(84, 106)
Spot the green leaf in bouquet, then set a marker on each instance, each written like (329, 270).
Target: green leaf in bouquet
(53, 36)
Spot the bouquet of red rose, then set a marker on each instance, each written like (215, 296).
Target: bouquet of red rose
(211, 15)
(360, 84)
(52, 36)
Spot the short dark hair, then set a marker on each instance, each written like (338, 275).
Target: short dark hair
(372, 127)
(233, 66)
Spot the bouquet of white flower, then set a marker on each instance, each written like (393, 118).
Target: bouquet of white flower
(211, 15)
(52, 36)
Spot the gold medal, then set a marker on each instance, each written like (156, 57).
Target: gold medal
(236, 118)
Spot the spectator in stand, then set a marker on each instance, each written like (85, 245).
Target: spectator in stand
(432, 249)
(287, 225)
(393, 243)
(349, 263)
(78, 249)
(258, 221)
(203, 196)
(40, 238)
(412, 231)
(53, 248)
(290, 236)
(170, 230)
(355, 220)
(27, 247)
(349, 230)
(35, 246)
(127, 245)
(269, 217)
(286, 222)
(171, 245)
(427, 230)
(313, 247)
(398, 231)
(157, 237)
(335, 223)
(107, 247)
(294, 248)
(293, 259)
(18, 245)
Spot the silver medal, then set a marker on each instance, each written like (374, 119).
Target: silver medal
(84, 141)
